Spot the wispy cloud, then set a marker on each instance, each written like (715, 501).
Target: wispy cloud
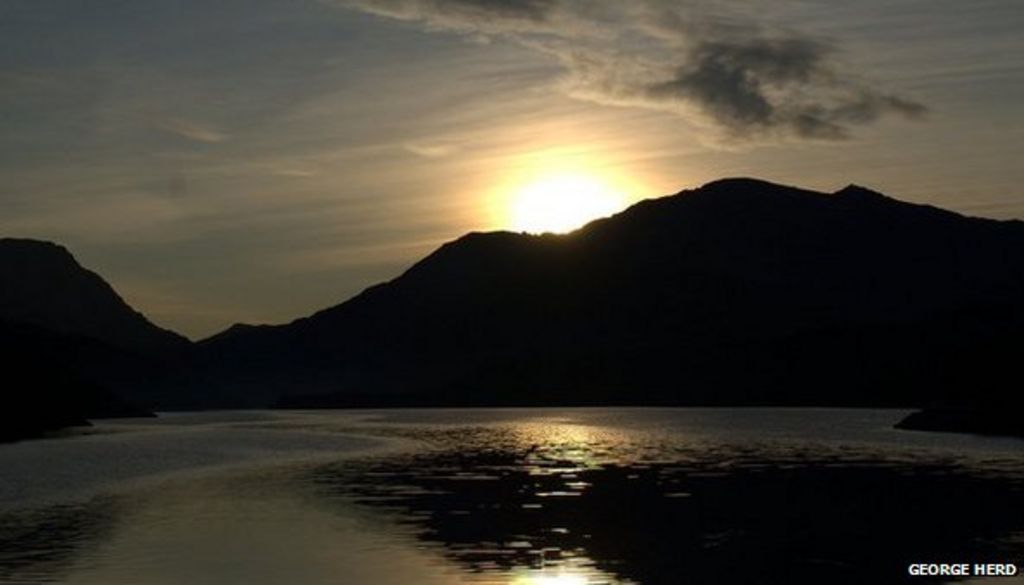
(190, 130)
(430, 150)
(488, 16)
(745, 78)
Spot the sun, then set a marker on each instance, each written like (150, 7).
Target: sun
(562, 202)
(550, 579)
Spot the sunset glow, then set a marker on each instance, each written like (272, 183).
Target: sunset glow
(303, 151)
(551, 579)
(511, 292)
(562, 202)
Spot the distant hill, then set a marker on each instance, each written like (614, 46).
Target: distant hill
(739, 292)
(42, 284)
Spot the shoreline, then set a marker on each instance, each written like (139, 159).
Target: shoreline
(989, 423)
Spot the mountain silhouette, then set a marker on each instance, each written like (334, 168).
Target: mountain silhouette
(738, 292)
(42, 284)
(72, 348)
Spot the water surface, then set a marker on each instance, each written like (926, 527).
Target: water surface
(528, 496)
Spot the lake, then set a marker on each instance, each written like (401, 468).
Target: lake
(507, 496)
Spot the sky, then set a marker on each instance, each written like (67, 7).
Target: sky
(254, 161)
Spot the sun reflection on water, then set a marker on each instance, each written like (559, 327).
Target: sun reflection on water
(560, 500)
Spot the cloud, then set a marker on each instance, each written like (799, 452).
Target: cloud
(429, 150)
(788, 84)
(494, 16)
(726, 71)
(190, 130)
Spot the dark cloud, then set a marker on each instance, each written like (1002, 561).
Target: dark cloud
(784, 85)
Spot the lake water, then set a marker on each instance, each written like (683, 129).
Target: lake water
(516, 496)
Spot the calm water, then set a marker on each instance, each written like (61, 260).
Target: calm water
(527, 497)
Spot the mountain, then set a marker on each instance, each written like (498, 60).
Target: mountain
(738, 292)
(72, 348)
(42, 284)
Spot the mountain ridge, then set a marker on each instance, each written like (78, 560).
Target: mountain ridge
(716, 187)
(696, 295)
(42, 283)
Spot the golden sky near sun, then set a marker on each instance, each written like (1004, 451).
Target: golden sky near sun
(559, 190)
(562, 202)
